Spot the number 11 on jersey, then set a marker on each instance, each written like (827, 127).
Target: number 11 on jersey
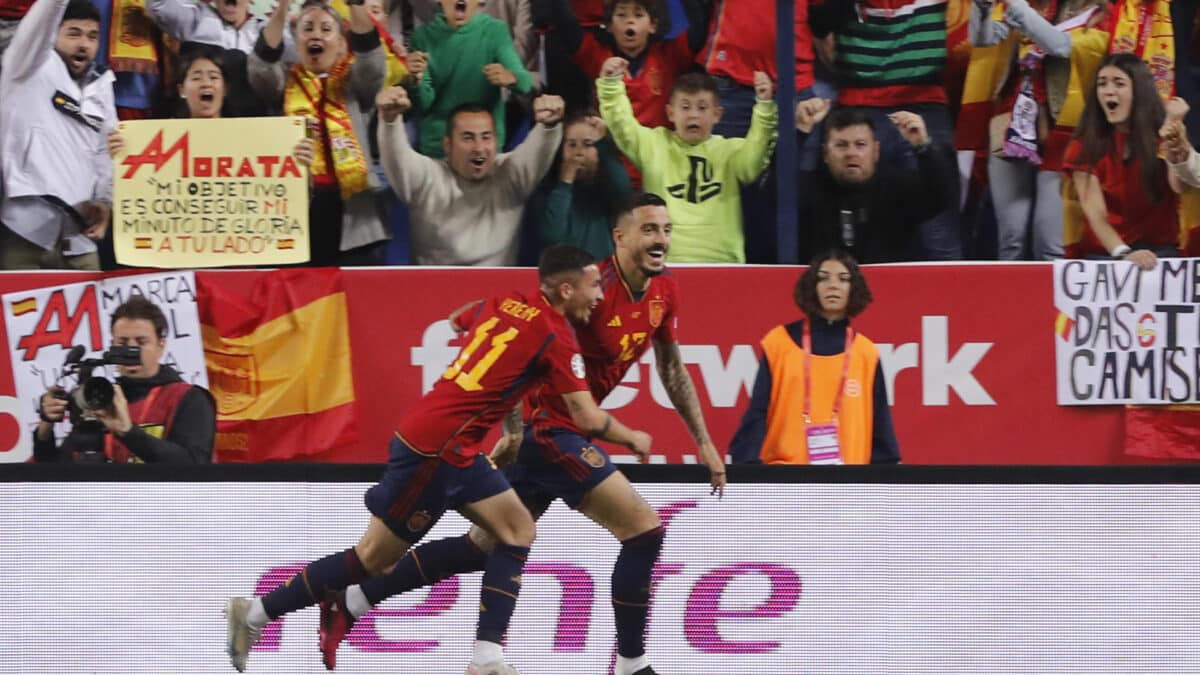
(469, 380)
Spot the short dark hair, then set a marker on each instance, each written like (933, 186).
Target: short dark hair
(562, 259)
(82, 10)
(843, 117)
(805, 293)
(138, 307)
(189, 57)
(695, 83)
(654, 8)
(465, 109)
(635, 200)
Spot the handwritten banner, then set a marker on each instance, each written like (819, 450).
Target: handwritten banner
(1127, 336)
(44, 323)
(208, 193)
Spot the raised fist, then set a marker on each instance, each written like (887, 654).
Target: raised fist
(764, 88)
(548, 109)
(810, 113)
(614, 67)
(391, 103)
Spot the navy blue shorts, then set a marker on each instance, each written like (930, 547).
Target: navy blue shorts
(557, 464)
(416, 489)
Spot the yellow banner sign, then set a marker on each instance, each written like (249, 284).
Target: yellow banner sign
(210, 192)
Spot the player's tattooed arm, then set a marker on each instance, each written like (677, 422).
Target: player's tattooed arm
(682, 392)
(512, 421)
(509, 446)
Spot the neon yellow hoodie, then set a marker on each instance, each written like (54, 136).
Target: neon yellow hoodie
(701, 182)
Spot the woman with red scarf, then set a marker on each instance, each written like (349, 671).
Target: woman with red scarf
(335, 82)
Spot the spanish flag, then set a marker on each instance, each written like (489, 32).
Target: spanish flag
(279, 366)
(1163, 432)
(25, 306)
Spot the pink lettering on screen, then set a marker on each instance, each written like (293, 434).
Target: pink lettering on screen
(440, 599)
(703, 614)
(274, 578)
(575, 609)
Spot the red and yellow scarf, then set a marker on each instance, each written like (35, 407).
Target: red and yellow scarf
(133, 44)
(1146, 30)
(339, 155)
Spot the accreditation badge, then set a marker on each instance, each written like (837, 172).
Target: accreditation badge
(823, 444)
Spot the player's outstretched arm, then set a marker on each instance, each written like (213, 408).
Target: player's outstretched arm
(678, 383)
(597, 423)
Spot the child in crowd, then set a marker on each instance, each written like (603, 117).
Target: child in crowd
(576, 202)
(462, 56)
(633, 34)
(697, 173)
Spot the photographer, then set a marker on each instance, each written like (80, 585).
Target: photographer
(154, 416)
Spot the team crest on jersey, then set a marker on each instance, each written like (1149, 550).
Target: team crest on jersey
(577, 366)
(418, 521)
(658, 308)
(592, 456)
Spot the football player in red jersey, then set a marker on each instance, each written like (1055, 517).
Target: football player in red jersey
(518, 342)
(555, 457)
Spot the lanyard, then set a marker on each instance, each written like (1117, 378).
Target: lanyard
(807, 345)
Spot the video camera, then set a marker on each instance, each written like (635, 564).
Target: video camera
(90, 394)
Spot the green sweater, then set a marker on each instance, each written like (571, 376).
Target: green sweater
(700, 183)
(582, 213)
(455, 74)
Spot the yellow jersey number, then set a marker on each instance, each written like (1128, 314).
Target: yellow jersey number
(630, 342)
(470, 380)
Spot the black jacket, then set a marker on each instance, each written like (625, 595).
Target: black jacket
(885, 211)
(193, 430)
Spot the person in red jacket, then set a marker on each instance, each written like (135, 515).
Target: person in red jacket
(634, 32)
(11, 12)
(741, 40)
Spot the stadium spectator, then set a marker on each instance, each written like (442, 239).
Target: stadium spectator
(1128, 196)
(698, 174)
(11, 12)
(466, 209)
(889, 56)
(741, 40)
(466, 57)
(201, 88)
(576, 202)
(516, 13)
(335, 83)
(633, 33)
(853, 202)
(224, 25)
(57, 110)
(1036, 52)
(820, 396)
(155, 417)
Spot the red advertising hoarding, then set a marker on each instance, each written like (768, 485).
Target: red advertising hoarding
(968, 350)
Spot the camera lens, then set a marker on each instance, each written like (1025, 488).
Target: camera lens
(97, 393)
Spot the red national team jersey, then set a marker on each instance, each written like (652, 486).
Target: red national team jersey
(649, 89)
(619, 332)
(516, 342)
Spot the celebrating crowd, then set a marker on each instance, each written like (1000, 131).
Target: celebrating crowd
(477, 132)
